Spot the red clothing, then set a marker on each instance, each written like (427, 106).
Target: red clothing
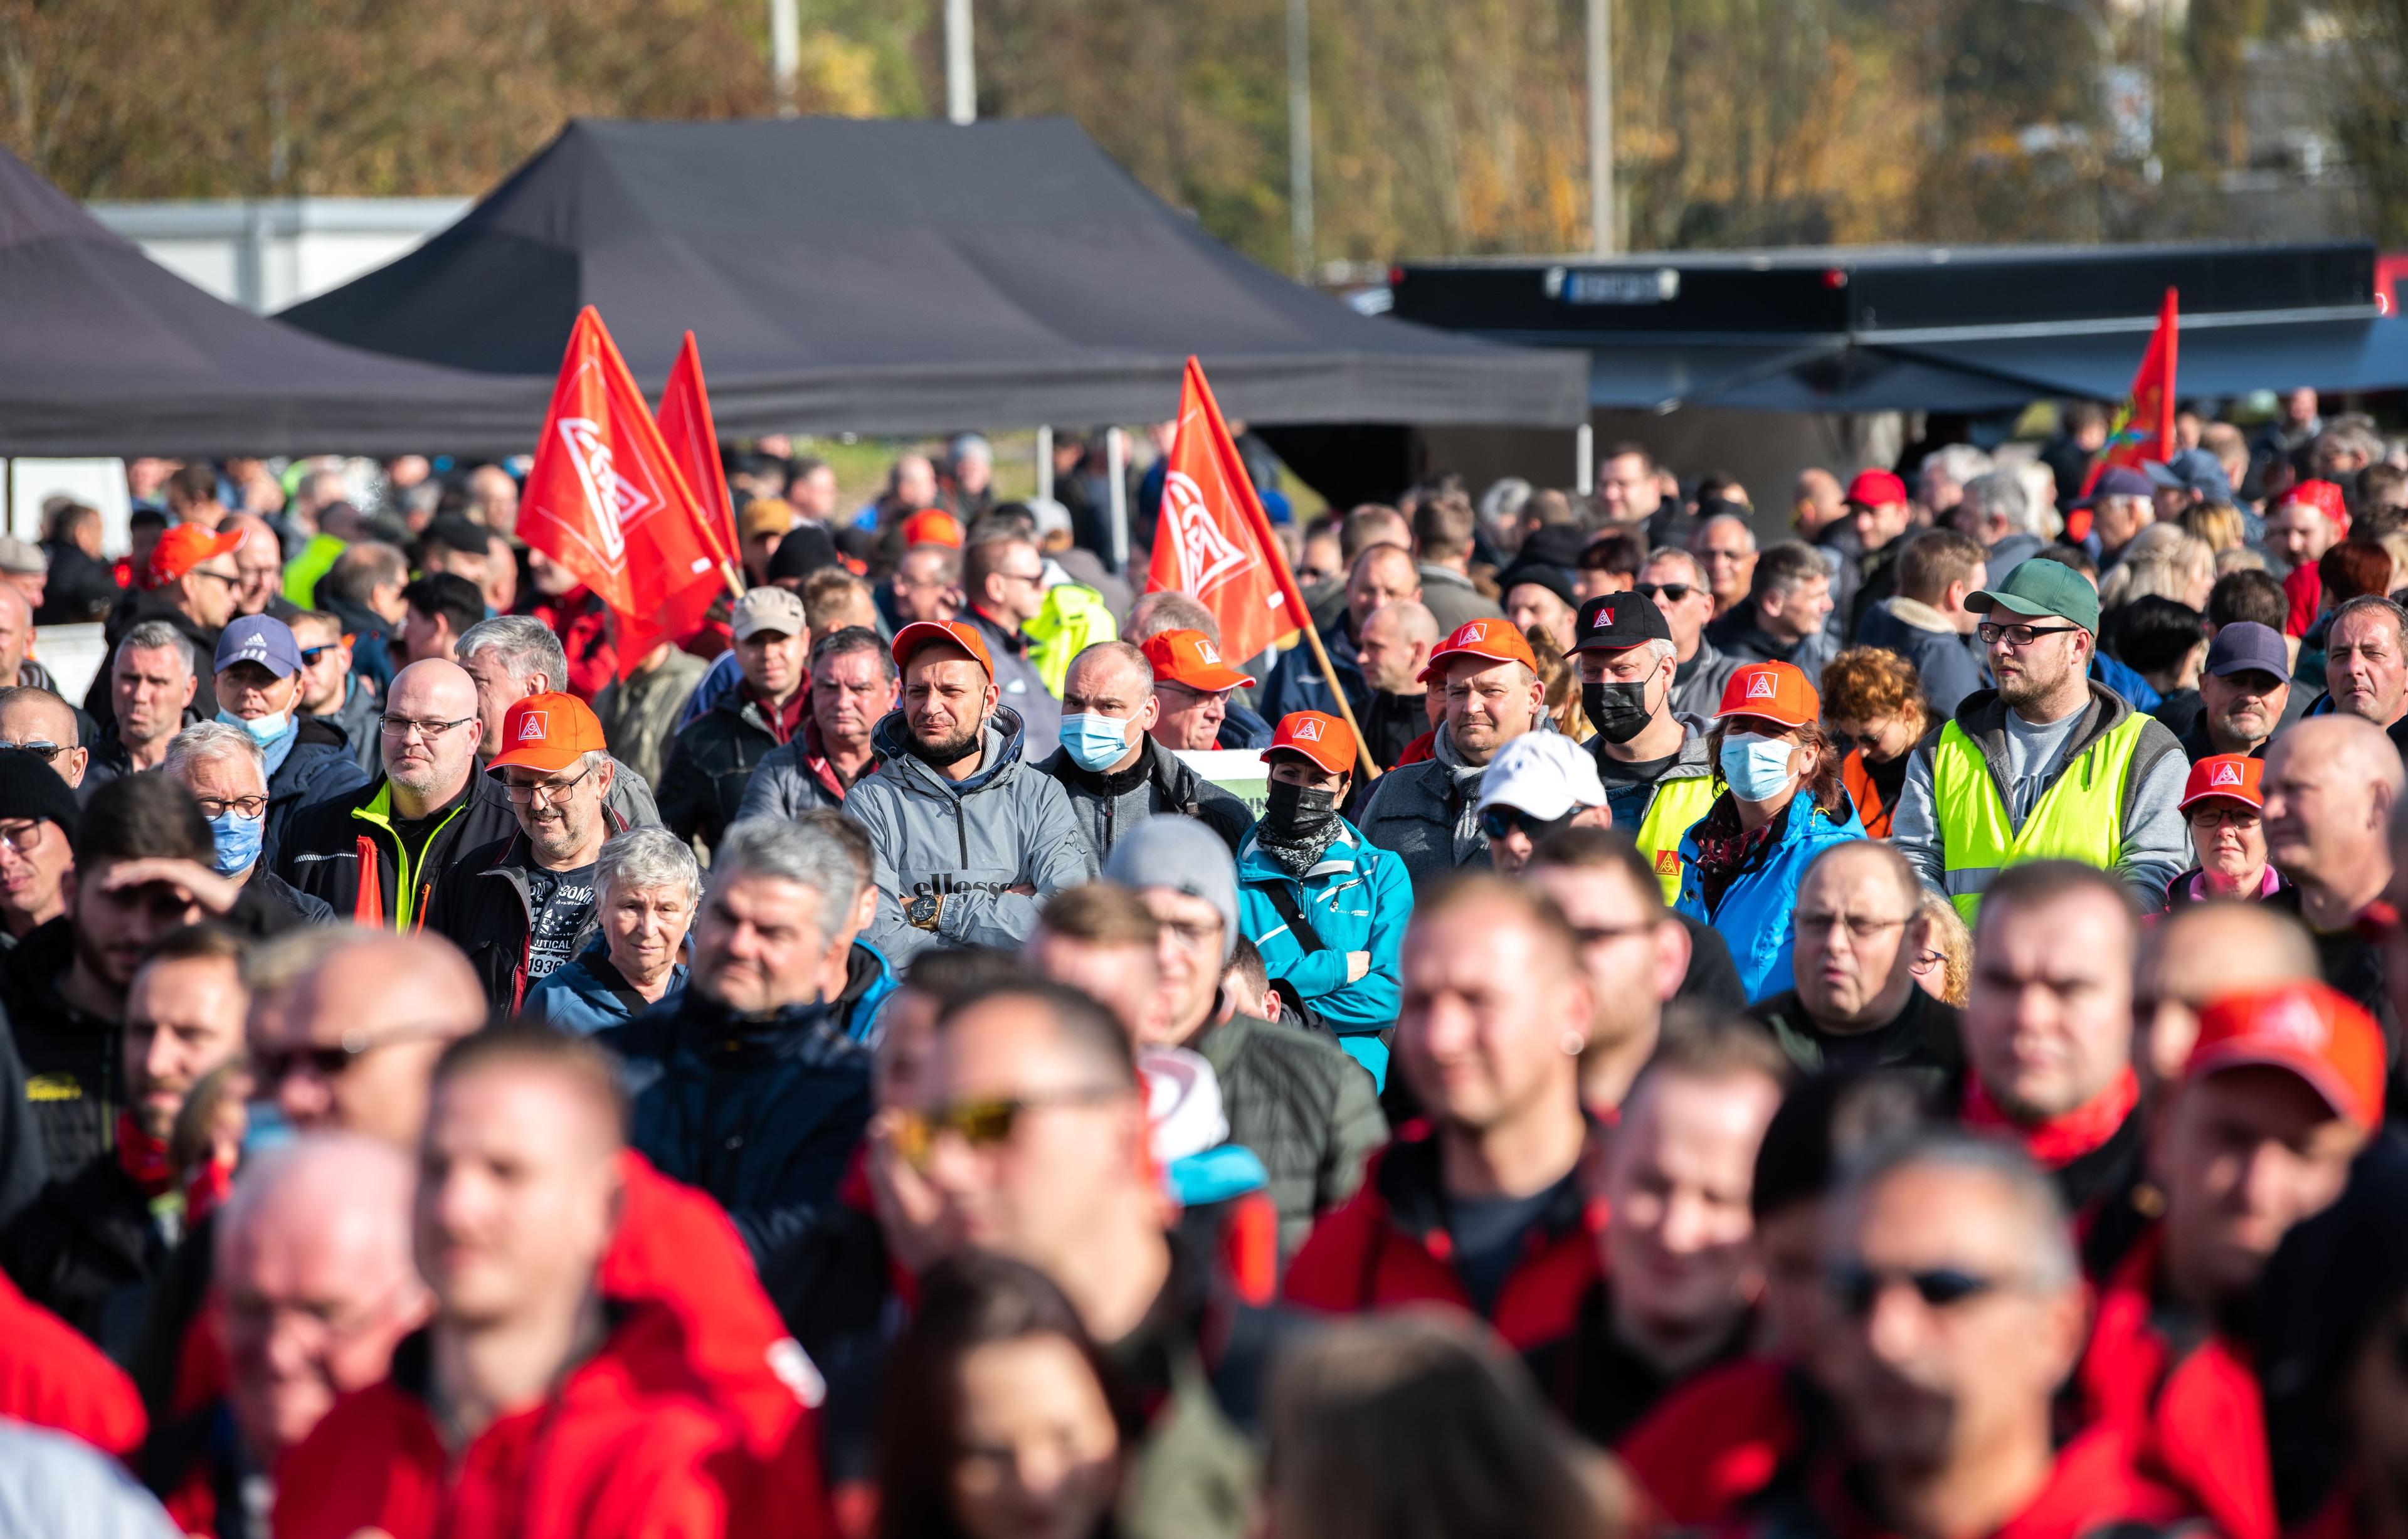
(2305, 589)
(1389, 1245)
(2189, 1403)
(1720, 1441)
(628, 1446)
(51, 1376)
(2061, 1140)
(782, 721)
(1423, 747)
(580, 620)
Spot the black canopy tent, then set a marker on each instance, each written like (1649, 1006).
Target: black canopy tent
(104, 352)
(907, 277)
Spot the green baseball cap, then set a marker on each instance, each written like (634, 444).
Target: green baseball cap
(2038, 588)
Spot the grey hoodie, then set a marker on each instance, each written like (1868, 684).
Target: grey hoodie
(1429, 813)
(965, 841)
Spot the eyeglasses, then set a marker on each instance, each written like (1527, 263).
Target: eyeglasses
(309, 655)
(2231, 817)
(1856, 1287)
(2017, 636)
(1498, 822)
(400, 727)
(1663, 592)
(1201, 697)
(1192, 936)
(203, 571)
(21, 838)
(245, 808)
(1858, 929)
(275, 1065)
(548, 792)
(39, 745)
(984, 1123)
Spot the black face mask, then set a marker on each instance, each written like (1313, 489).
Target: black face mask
(1617, 711)
(1295, 812)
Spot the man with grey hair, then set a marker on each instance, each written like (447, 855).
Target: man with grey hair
(746, 1085)
(2331, 783)
(1998, 509)
(227, 771)
(1108, 765)
(153, 681)
(853, 686)
(1678, 582)
(650, 886)
(1782, 619)
(512, 656)
(1939, 484)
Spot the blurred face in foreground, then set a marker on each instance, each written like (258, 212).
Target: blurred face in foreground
(1039, 1448)
(2048, 1018)
(1678, 1176)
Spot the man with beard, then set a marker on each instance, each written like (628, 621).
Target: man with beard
(1429, 813)
(2245, 688)
(330, 691)
(522, 906)
(969, 838)
(2049, 765)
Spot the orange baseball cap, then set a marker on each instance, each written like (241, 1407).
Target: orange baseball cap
(1192, 658)
(2307, 1027)
(1778, 691)
(2233, 777)
(547, 732)
(1326, 740)
(186, 546)
(1495, 640)
(932, 526)
(921, 633)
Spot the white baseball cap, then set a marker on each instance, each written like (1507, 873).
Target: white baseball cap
(1544, 775)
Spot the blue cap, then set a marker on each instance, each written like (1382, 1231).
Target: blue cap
(258, 638)
(2117, 481)
(2192, 471)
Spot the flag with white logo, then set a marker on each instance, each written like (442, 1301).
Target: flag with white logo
(1213, 540)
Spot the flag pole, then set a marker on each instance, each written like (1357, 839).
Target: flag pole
(1329, 676)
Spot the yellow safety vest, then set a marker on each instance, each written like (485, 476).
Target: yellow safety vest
(1677, 805)
(2081, 817)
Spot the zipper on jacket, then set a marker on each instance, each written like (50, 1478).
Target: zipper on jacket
(962, 831)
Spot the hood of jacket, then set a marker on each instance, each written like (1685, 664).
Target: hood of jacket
(1000, 755)
(1983, 717)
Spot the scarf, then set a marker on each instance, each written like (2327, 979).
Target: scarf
(2057, 1142)
(146, 1163)
(1296, 856)
(1463, 796)
(1724, 848)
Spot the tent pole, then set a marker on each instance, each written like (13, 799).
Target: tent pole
(1116, 471)
(1585, 460)
(785, 52)
(1045, 462)
(961, 63)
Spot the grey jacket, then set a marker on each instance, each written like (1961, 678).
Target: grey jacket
(639, 715)
(784, 784)
(965, 841)
(1428, 814)
(1021, 686)
(1306, 1109)
(1160, 781)
(61, 1488)
(2157, 844)
(1697, 683)
(1451, 599)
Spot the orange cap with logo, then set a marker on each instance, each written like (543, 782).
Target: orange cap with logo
(2233, 777)
(1495, 640)
(1192, 659)
(2314, 1031)
(548, 733)
(1778, 691)
(1325, 740)
(926, 633)
(932, 526)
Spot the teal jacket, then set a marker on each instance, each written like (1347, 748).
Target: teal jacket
(1756, 910)
(1357, 898)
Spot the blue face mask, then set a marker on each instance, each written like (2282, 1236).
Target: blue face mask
(1096, 743)
(263, 730)
(1756, 768)
(237, 841)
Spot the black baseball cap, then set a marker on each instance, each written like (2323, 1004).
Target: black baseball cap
(1614, 621)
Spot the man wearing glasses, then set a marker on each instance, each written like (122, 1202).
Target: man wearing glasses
(2048, 765)
(522, 906)
(193, 582)
(1677, 581)
(329, 692)
(38, 821)
(1855, 1003)
(41, 723)
(375, 853)
(1004, 580)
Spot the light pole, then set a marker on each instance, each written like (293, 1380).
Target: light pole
(961, 67)
(785, 52)
(1600, 127)
(1300, 139)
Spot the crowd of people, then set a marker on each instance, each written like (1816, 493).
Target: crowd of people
(1895, 1030)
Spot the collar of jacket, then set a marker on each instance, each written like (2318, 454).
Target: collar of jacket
(1340, 858)
(703, 1025)
(1410, 1181)
(1983, 717)
(1112, 782)
(999, 759)
(997, 635)
(1922, 616)
(38, 965)
(1445, 576)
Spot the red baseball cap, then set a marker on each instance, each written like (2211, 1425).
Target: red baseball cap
(921, 633)
(2233, 777)
(2324, 496)
(1496, 640)
(1326, 740)
(1778, 691)
(1192, 658)
(1876, 489)
(186, 546)
(2306, 1026)
(548, 733)
(932, 526)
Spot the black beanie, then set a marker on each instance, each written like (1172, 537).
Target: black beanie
(806, 549)
(29, 787)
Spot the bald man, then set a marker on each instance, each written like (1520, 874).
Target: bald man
(16, 639)
(355, 1038)
(36, 719)
(373, 854)
(2330, 783)
(1381, 574)
(1108, 765)
(2201, 952)
(1392, 649)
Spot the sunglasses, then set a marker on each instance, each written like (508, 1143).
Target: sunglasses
(1497, 822)
(275, 1065)
(1856, 1287)
(1664, 592)
(309, 655)
(984, 1124)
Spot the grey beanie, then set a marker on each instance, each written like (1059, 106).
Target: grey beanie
(1174, 851)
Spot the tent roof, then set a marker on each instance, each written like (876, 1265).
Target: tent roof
(907, 276)
(108, 353)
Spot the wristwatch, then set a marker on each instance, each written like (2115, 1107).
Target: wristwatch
(922, 912)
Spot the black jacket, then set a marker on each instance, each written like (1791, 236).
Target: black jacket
(763, 1115)
(88, 1249)
(1159, 782)
(80, 588)
(710, 765)
(482, 905)
(319, 767)
(133, 609)
(71, 1058)
(1925, 1039)
(325, 848)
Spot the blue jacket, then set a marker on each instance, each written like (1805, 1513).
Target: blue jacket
(588, 994)
(1756, 910)
(1296, 682)
(1357, 898)
(868, 981)
(763, 1115)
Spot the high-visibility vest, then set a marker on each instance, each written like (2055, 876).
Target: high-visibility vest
(2080, 817)
(1676, 805)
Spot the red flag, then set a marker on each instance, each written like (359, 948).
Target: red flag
(694, 440)
(1214, 540)
(2143, 429)
(606, 500)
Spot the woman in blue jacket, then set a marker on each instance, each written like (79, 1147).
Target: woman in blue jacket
(1781, 807)
(647, 885)
(1326, 909)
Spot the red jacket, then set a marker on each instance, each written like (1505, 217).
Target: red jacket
(2183, 1394)
(1721, 1440)
(579, 619)
(628, 1446)
(51, 1376)
(1389, 1245)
